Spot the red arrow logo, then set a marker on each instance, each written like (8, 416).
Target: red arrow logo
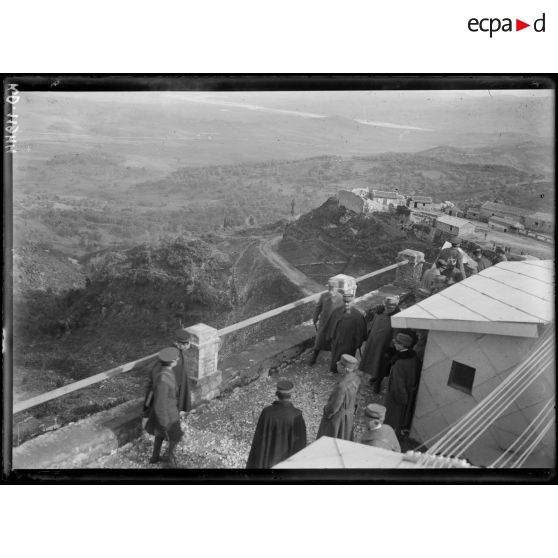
(519, 25)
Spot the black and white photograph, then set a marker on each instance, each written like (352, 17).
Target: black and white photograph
(278, 277)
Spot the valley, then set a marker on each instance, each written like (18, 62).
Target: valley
(135, 214)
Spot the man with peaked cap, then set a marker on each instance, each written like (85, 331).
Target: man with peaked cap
(328, 302)
(375, 358)
(182, 343)
(402, 384)
(163, 421)
(347, 330)
(379, 435)
(339, 411)
(280, 432)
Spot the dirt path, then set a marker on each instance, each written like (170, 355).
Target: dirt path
(306, 285)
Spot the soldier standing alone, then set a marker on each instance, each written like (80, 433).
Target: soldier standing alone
(280, 432)
(163, 421)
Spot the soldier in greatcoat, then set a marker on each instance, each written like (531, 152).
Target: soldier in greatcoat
(163, 420)
(347, 330)
(402, 383)
(339, 411)
(375, 359)
(328, 302)
(379, 435)
(182, 343)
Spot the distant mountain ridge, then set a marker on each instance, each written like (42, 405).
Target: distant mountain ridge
(527, 156)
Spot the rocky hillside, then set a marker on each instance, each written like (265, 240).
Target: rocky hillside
(332, 239)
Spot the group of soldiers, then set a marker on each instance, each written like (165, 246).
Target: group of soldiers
(342, 329)
(449, 268)
(281, 430)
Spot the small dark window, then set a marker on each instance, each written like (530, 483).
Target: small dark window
(461, 377)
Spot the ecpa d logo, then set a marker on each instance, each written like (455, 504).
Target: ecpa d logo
(492, 25)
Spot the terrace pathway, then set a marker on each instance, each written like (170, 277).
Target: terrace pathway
(219, 434)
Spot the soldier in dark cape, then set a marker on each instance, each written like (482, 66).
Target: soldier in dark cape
(375, 360)
(347, 331)
(402, 384)
(327, 303)
(339, 411)
(280, 432)
(163, 420)
(379, 435)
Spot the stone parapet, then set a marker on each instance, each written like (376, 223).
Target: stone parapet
(206, 388)
(202, 356)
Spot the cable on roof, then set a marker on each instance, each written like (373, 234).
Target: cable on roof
(498, 399)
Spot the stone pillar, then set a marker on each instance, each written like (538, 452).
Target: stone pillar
(201, 360)
(409, 275)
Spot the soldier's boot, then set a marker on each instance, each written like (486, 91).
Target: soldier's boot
(156, 455)
(313, 358)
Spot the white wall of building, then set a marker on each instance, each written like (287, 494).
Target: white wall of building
(494, 357)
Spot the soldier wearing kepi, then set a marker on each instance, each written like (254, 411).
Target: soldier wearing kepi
(280, 432)
(403, 383)
(328, 302)
(339, 411)
(182, 343)
(348, 330)
(163, 420)
(379, 435)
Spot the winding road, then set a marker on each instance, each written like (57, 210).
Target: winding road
(306, 285)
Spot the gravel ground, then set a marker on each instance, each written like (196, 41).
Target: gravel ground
(218, 434)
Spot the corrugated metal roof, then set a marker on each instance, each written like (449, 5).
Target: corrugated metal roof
(454, 221)
(510, 298)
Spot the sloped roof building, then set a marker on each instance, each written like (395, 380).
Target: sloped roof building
(480, 331)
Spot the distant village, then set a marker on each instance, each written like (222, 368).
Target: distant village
(448, 217)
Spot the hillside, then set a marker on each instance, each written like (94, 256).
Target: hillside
(332, 239)
(126, 304)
